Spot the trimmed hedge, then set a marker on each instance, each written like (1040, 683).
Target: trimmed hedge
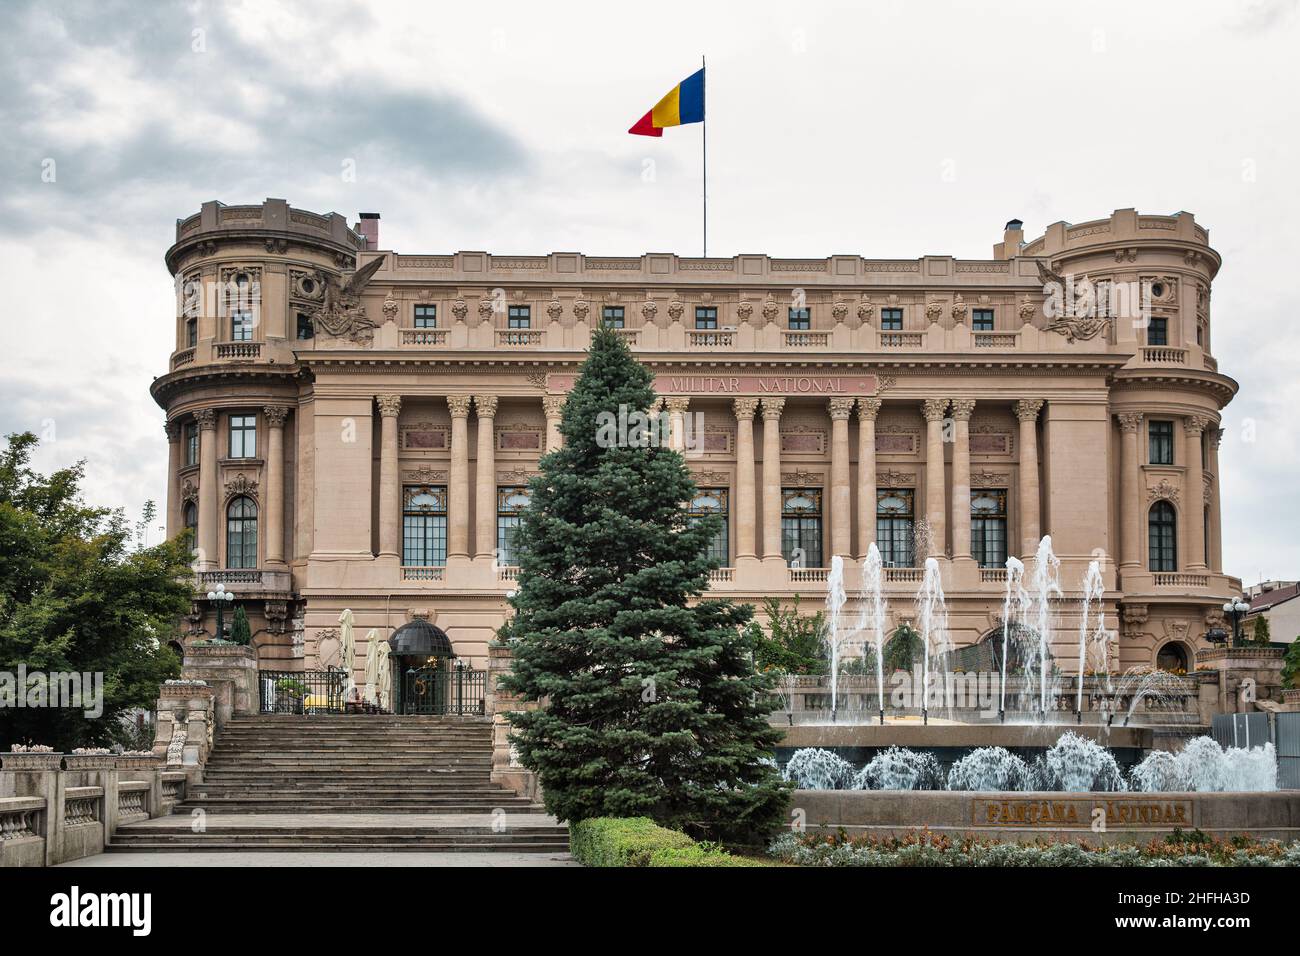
(639, 841)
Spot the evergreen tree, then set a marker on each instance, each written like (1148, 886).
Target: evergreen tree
(77, 594)
(650, 705)
(240, 632)
(1291, 665)
(1261, 634)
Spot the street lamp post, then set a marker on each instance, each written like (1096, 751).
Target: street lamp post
(1236, 609)
(221, 597)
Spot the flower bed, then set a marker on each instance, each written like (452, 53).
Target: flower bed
(923, 848)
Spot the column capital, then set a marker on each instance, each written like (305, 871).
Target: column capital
(772, 409)
(458, 405)
(840, 408)
(1129, 421)
(744, 408)
(868, 409)
(1195, 424)
(678, 403)
(485, 405)
(1027, 409)
(553, 405)
(207, 418)
(934, 409)
(172, 431)
(276, 415)
(1216, 437)
(390, 406)
(962, 408)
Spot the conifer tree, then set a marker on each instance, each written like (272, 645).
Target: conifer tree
(649, 701)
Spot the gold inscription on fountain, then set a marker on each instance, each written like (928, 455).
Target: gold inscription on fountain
(1119, 812)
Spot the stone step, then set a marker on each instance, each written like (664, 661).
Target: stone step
(367, 846)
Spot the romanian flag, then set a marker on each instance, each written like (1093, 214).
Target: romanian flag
(683, 104)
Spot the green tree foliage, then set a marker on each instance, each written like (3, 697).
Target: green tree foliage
(650, 704)
(902, 649)
(76, 596)
(792, 643)
(240, 633)
(1291, 665)
(1262, 634)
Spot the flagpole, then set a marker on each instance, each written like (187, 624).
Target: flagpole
(704, 140)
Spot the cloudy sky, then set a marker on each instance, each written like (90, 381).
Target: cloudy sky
(885, 129)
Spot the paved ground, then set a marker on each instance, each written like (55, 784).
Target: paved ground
(290, 821)
(324, 859)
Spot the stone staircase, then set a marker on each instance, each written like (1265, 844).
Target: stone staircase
(350, 782)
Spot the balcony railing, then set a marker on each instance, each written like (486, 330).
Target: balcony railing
(903, 575)
(244, 579)
(711, 339)
(993, 575)
(901, 340)
(182, 358)
(507, 572)
(1160, 355)
(424, 336)
(722, 575)
(808, 575)
(239, 350)
(995, 340)
(807, 340)
(1180, 580)
(519, 338)
(423, 573)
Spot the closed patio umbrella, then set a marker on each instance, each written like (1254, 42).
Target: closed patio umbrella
(347, 652)
(372, 663)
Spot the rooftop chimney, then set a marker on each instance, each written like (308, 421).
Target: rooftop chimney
(1013, 238)
(369, 228)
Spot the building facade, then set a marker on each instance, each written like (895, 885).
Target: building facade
(351, 427)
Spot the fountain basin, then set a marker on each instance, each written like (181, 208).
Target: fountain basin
(1021, 816)
(943, 735)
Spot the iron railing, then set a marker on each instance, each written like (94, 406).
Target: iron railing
(302, 692)
(448, 690)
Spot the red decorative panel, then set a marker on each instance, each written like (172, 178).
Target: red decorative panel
(519, 441)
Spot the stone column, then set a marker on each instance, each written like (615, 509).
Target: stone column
(209, 498)
(1215, 558)
(868, 409)
(173, 516)
(841, 496)
(275, 416)
(553, 406)
(1194, 501)
(485, 492)
(390, 480)
(746, 518)
(934, 410)
(1130, 554)
(458, 486)
(677, 406)
(1030, 521)
(961, 413)
(772, 478)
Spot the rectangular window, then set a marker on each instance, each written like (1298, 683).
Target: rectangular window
(706, 317)
(241, 326)
(241, 302)
(801, 527)
(988, 526)
(306, 328)
(426, 316)
(191, 333)
(191, 443)
(519, 317)
(713, 501)
(424, 526)
(243, 436)
(891, 320)
(896, 527)
(611, 317)
(1160, 443)
(800, 320)
(982, 320)
(511, 502)
(1158, 331)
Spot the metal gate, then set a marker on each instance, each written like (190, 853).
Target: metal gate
(302, 692)
(1288, 749)
(445, 689)
(1241, 730)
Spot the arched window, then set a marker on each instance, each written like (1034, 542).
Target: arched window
(190, 517)
(241, 533)
(1162, 537)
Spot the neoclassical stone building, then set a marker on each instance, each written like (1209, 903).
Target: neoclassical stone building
(355, 428)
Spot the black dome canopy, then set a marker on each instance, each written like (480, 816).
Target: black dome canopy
(420, 639)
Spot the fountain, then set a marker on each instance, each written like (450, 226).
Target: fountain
(871, 618)
(900, 769)
(990, 768)
(1093, 589)
(1046, 583)
(1015, 606)
(835, 599)
(932, 616)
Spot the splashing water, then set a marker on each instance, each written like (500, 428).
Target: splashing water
(990, 768)
(1093, 589)
(1014, 606)
(932, 616)
(900, 769)
(835, 598)
(1046, 586)
(814, 769)
(1078, 764)
(871, 617)
(1143, 684)
(1205, 767)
